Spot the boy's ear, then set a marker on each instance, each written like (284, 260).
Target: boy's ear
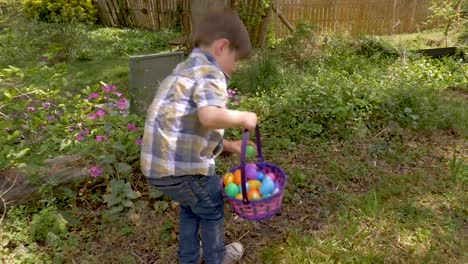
(221, 44)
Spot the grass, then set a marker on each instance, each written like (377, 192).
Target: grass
(395, 195)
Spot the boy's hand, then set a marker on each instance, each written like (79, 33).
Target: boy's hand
(235, 146)
(249, 120)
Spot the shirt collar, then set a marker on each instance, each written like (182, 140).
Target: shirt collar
(210, 58)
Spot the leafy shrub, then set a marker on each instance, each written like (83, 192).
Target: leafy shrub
(261, 74)
(47, 224)
(372, 46)
(301, 47)
(58, 11)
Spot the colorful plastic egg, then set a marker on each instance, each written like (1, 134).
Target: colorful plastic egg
(267, 187)
(254, 195)
(237, 177)
(271, 175)
(260, 176)
(249, 152)
(228, 178)
(254, 184)
(252, 166)
(239, 196)
(231, 190)
(250, 173)
(276, 190)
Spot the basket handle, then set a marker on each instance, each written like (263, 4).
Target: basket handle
(245, 138)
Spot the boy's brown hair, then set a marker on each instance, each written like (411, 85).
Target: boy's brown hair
(223, 24)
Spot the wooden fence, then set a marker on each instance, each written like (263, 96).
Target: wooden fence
(379, 17)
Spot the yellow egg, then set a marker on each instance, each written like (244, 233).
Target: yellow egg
(239, 196)
(228, 178)
(254, 184)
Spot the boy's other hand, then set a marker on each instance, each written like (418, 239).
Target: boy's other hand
(249, 120)
(235, 146)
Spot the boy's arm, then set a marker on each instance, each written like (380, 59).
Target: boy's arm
(221, 118)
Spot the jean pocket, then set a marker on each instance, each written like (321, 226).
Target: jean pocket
(181, 193)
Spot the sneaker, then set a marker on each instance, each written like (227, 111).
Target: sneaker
(234, 252)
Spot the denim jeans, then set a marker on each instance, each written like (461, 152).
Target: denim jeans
(201, 206)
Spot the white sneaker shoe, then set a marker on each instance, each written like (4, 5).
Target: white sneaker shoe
(234, 252)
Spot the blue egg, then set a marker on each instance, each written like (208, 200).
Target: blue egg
(260, 176)
(267, 187)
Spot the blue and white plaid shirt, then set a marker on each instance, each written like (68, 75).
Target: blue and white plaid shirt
(174, 141)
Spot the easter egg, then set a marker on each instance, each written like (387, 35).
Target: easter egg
(228, 178)
(237, 177)
(260, 176)
(276, 190)
(254, 195)
(249, 152)
(254, 184)
(271, 175)
(231, 189)
(239, 196)
(251, 173)
(267, 187)
(251, 166)
(266, 195)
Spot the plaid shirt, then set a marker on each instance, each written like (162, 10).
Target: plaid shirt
(174, 142)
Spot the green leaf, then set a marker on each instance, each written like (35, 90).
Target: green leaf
(155, 193)
(160, 206)
(127, 203)
(116, 209)
(119, 146)
(123, 168)
(65, 143)
(106, 159)
(130, 194)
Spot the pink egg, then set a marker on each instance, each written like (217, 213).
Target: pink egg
(252, 166)
(271, 175)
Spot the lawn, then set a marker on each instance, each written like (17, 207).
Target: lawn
(373, 139)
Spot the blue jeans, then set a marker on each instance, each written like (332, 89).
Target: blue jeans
(201, 206)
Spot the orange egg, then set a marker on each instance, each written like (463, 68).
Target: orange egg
(239, 196)
(237, 177)
(228, 178)
(254, 195)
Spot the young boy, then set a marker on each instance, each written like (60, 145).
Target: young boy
(184, 134)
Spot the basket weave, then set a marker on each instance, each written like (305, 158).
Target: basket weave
(266, 207)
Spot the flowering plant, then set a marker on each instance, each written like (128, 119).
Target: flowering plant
(38, 123)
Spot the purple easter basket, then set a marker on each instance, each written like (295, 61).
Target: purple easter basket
(257, 210)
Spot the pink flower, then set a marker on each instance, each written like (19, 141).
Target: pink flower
(46, 105)
(50, 117)
(231, 92)
(122, 104)
(138, 141)
(100, 113)
(95, 171)
(100, 138)
(132, 127)
(108, 88)
(117, 93)
(95, 115)
(31, 108)
(82, 135)
(93, 96)
(92, 116)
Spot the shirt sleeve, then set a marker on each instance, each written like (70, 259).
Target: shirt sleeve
(211, 90)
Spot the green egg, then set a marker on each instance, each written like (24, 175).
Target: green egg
(231, 189)
(249, 152)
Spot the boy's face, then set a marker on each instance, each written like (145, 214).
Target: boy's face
(227, 60)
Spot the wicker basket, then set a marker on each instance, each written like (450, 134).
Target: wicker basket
(266, 207)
